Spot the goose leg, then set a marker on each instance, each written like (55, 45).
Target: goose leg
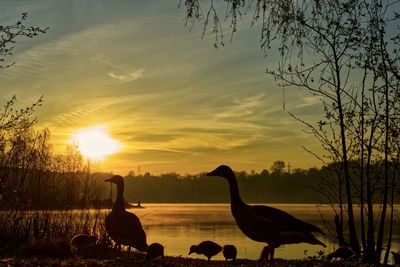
(271, 254)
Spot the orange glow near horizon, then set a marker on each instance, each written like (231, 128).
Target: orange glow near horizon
(95, 143)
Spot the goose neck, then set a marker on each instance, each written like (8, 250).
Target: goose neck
(234, 191)
(119, 201)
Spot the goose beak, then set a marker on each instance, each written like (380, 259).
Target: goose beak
(108, 180)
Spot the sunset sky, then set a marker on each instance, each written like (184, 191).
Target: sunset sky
(171, 100)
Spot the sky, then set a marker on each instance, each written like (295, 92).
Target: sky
(173, 101)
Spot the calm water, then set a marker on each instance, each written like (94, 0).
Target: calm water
(178, 226)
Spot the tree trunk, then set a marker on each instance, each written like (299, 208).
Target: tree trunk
(389, 242)
(362, 171)
(355, 246)
(379, 241)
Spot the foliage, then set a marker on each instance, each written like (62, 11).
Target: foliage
(278, 167)
(31, 176)
(9, 35)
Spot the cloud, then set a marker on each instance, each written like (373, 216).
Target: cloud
(83, 112)
(309, 101)
(127, 77)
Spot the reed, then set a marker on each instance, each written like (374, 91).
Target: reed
(21, 229)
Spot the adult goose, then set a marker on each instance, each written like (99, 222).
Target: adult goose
(124, 227)
(266, 224)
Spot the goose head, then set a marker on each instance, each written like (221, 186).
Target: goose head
(116, 179)
(223, 171)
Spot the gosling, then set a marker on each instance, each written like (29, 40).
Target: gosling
(81, 242)
(229, 252)
(154, 251)
(207, 248)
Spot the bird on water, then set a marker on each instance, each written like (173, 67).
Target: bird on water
(266, 224)
(207, 248)
(124, 227)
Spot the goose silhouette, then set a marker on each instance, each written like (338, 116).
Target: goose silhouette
(266, 224)
(124, 227)
(155, 250)
(207, 248)
(229, 252)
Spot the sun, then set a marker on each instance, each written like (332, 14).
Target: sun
(95, 143)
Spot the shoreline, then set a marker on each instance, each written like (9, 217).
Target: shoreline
(172, 262)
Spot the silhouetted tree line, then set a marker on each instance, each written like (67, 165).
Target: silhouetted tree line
(274, 186)
(256, 187)
(32, 176)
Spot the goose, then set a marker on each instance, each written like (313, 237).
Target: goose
(207, 248)
(229, 252)
(124, 227)
(266, 224)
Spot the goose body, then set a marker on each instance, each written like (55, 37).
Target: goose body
(124, 227)
(207, 248)
(266, 224)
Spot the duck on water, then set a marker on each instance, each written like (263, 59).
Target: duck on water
(266, 224)
(124, 227)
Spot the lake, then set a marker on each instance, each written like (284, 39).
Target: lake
(178, 226)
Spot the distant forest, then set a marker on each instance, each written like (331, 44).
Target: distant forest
(277, 187)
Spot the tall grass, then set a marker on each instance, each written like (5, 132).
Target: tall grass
(20, 228)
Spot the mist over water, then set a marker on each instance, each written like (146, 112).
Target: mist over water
(178, 226)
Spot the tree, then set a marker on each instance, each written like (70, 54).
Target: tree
(17, 121)
(9, 34)
(344, 53)
(278, 167)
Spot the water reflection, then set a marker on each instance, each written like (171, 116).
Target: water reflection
(178, 226)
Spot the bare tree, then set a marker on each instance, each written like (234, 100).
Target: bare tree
(9, 34)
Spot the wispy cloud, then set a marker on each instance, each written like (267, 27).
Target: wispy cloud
(127, 77)
(246, 106)
(309, 101)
